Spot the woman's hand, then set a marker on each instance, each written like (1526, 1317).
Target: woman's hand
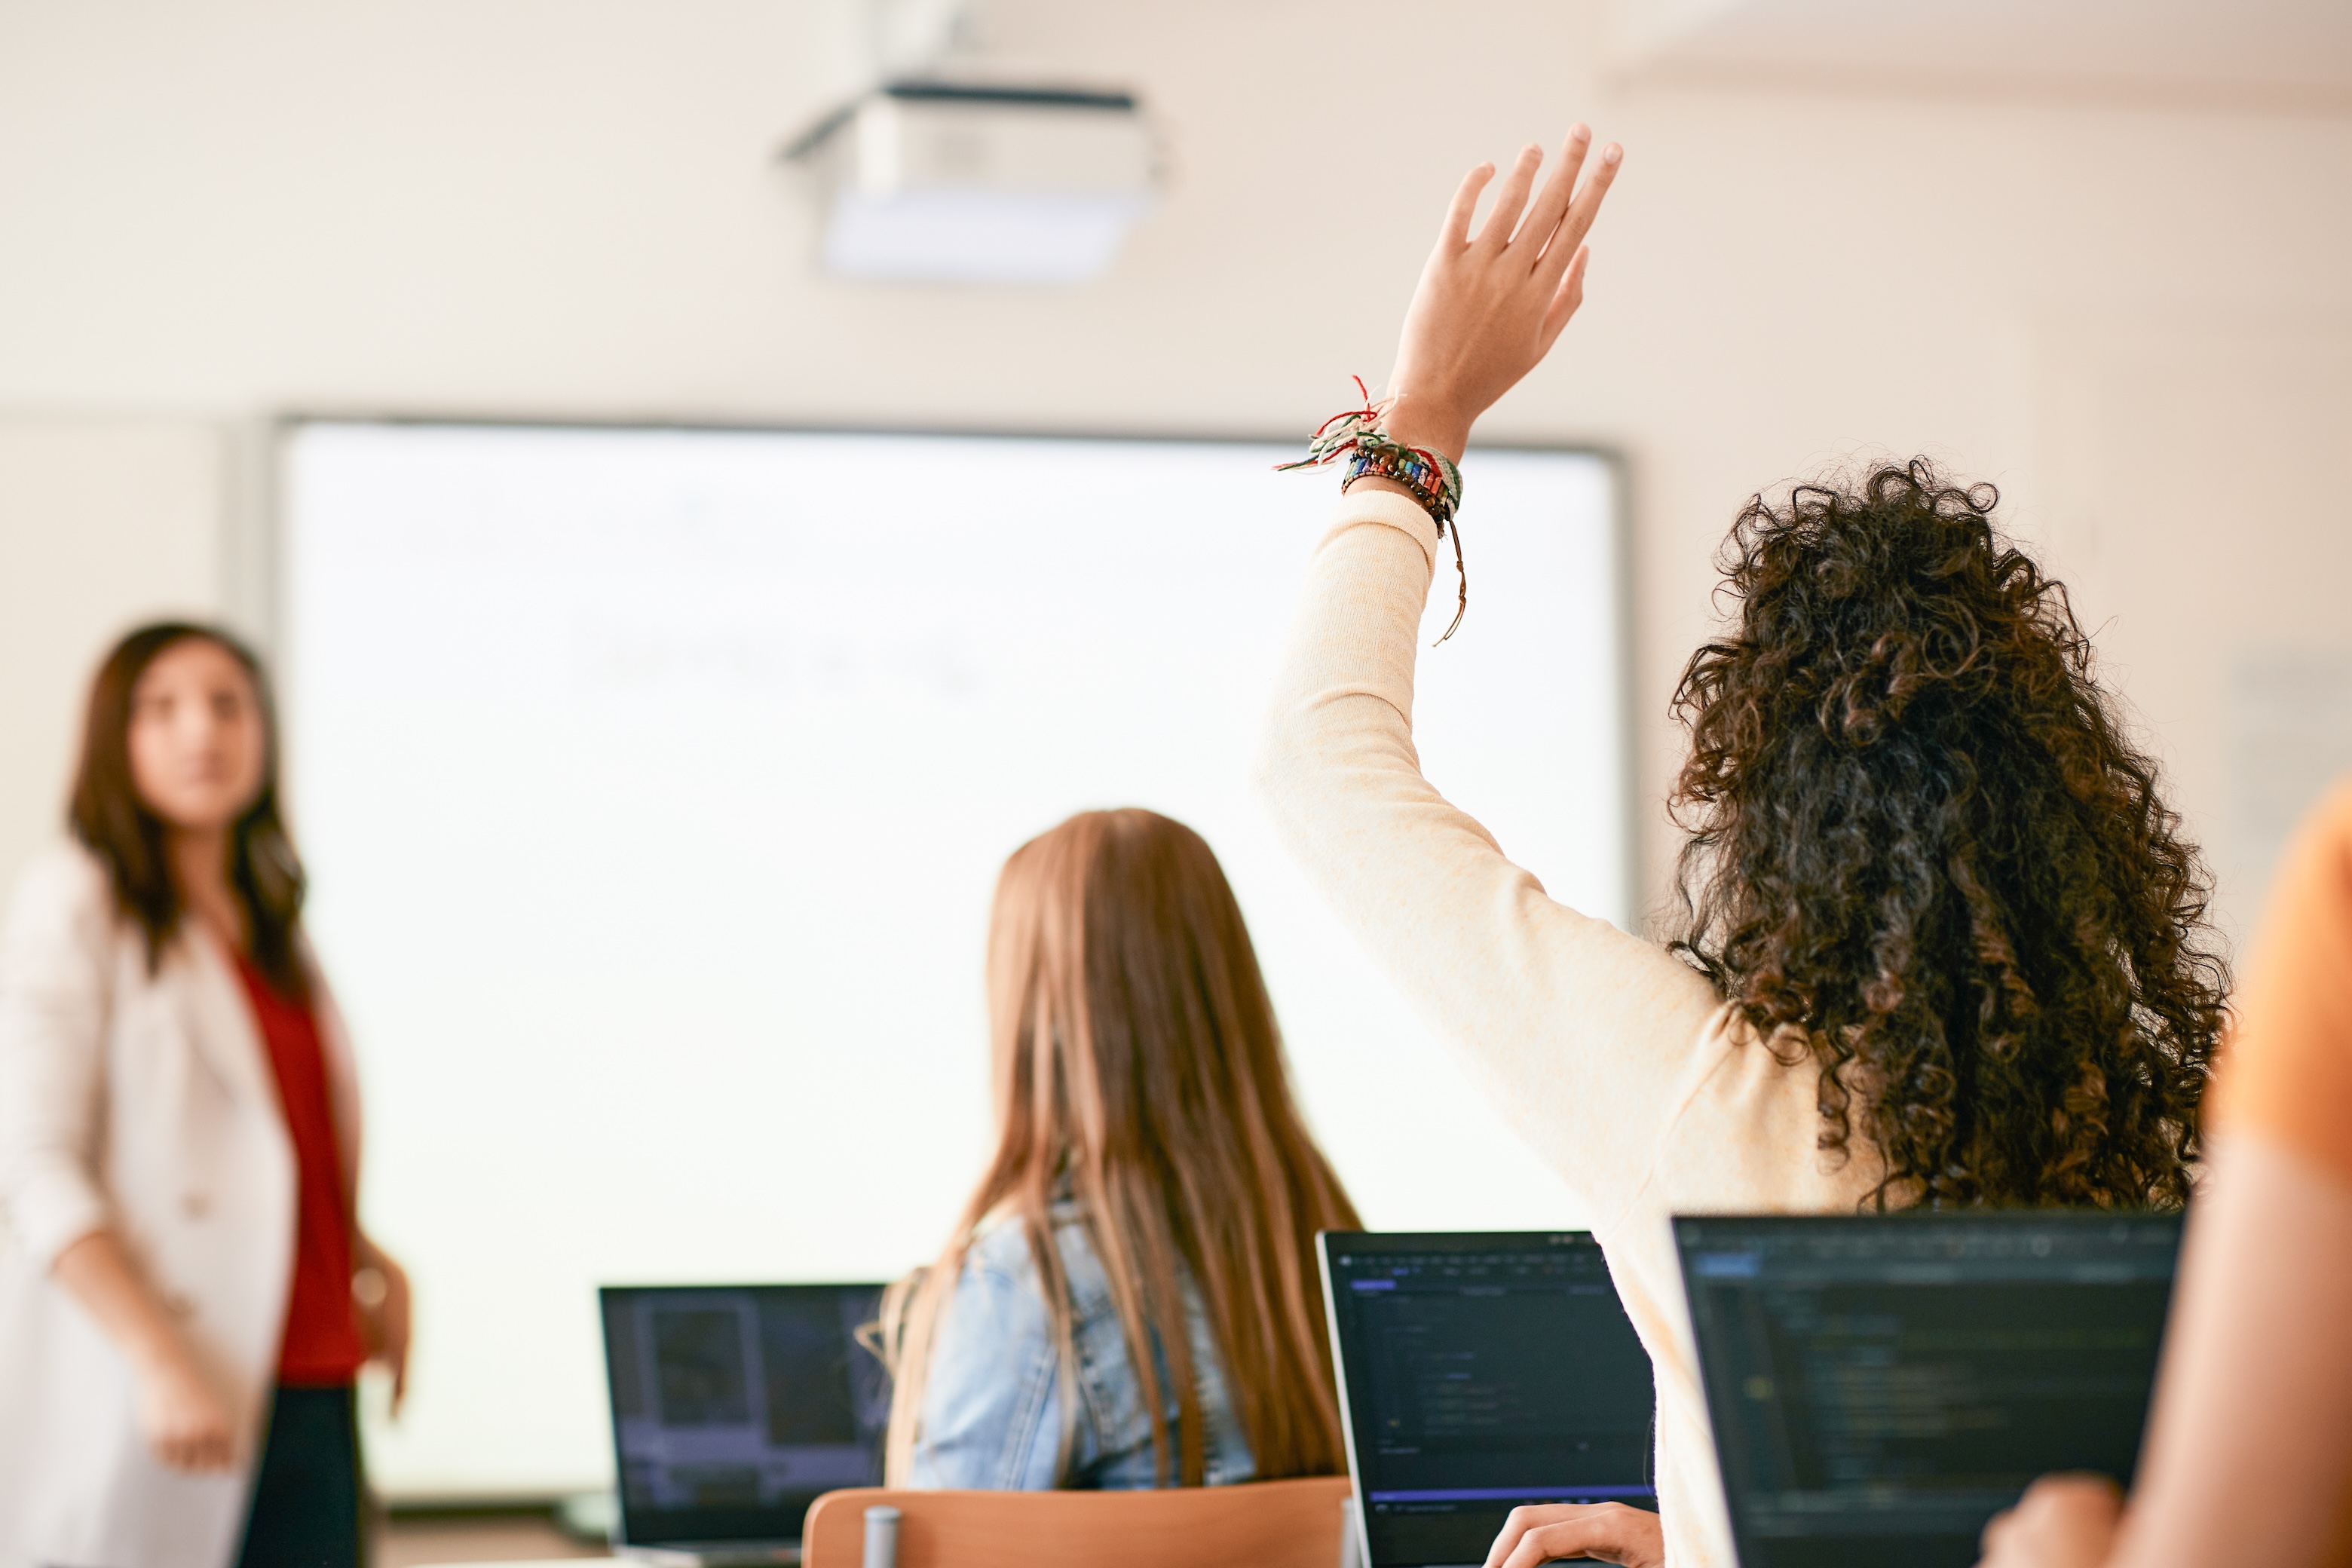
(1488, 309)
(2062, 1521)
(180, 1414)
(1609, 1530)
(183, 1418)
(380, 1293)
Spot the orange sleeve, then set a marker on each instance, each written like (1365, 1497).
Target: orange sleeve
(2287, 1069)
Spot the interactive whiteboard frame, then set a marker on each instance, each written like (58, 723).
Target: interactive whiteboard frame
(1314, 494)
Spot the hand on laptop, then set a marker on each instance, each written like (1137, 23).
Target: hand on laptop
(1609, 1530)
(2062, 1521)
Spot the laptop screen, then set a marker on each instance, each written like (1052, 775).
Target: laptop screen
(1881, 1386)
(1479, 1371)
(735, 1406)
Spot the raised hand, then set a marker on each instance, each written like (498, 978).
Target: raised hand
(1489, 307)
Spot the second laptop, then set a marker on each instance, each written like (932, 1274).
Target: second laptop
(1479, 1371)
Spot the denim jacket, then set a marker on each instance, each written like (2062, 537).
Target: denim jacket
(993, 1403)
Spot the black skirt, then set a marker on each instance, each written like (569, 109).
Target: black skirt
(306, 1494)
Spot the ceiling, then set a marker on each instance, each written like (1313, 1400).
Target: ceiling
(2293, 56)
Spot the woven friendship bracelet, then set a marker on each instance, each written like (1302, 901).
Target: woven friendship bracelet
(1434, 481)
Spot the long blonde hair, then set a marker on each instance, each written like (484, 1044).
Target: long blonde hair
(1137, 1069)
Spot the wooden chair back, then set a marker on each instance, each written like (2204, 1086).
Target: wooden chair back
(1262, 1524)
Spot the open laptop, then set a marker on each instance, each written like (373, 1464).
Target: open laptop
(1478, 1372)
(1881, 1386)
(734, 1408)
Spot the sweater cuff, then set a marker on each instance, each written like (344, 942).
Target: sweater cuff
(1388, 508)
(51, 1212)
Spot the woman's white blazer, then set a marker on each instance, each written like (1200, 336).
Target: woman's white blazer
(145, 1103)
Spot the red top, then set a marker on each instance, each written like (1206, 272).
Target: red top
(323, 1348)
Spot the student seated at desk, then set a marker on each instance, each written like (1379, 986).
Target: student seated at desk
(1942, 943)
(2249, 1451)
(1131, 1299)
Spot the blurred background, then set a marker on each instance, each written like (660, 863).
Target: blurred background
(2088, 251)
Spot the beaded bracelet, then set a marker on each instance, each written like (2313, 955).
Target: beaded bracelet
(1431, 477)
(1434, 481)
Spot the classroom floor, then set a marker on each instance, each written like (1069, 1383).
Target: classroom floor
(409, 1543)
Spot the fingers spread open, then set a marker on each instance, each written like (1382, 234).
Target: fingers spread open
(1550, 204)
(1511, 199)
(1457, 226)
(1586, 207)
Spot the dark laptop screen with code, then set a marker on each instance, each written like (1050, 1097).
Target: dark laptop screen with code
(1480, 1372)
(1880, 1386)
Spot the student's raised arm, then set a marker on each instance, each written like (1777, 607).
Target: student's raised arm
(1581, 1033)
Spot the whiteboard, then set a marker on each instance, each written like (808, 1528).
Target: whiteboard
(654, 782)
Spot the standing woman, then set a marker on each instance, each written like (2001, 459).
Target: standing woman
(185, 1295)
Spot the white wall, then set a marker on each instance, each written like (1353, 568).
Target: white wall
(2185, 471)
(223, 209)
(2242, 54)
(103, 523)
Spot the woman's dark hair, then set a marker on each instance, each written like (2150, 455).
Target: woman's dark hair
(1923, 844)
(108, 816)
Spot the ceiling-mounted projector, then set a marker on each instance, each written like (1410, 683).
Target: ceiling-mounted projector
(949, 182)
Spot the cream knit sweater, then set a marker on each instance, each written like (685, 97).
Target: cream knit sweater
(1617, 1063)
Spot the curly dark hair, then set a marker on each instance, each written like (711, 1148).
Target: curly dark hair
(1923, 844)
